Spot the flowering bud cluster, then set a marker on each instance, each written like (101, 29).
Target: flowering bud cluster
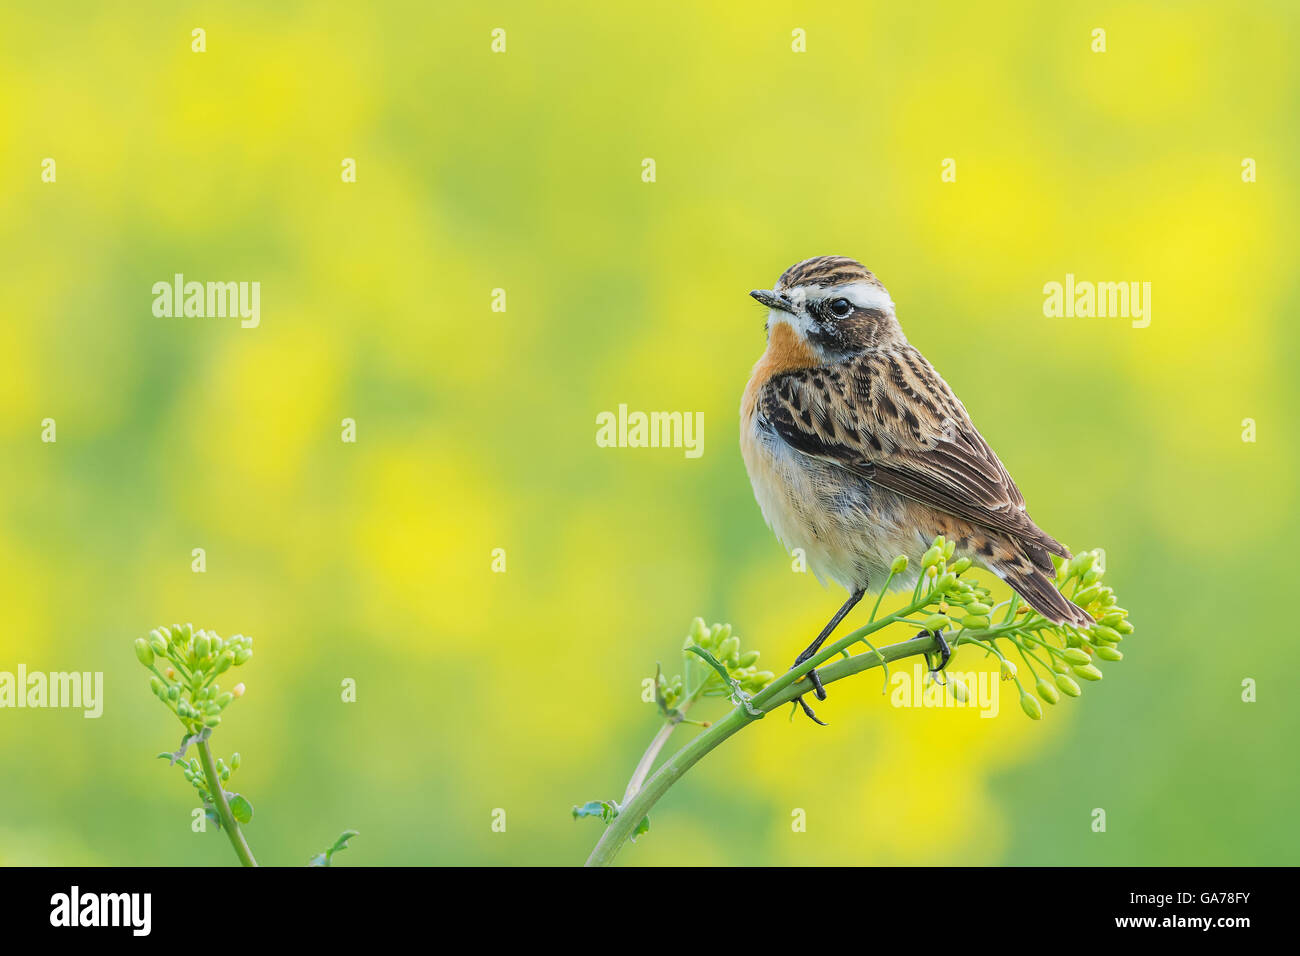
(1058, 656)
(185, 664)
(741, 666)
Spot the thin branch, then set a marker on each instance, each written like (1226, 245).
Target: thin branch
(777, 693)
(648, 759)
(218, 793)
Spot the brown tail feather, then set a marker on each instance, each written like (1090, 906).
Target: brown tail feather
(1048, 543)
(1037, 588)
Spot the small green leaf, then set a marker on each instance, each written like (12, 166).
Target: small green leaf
(738, 694)
(642, 827)
(323, 859)
(241, 808)
(607, 810)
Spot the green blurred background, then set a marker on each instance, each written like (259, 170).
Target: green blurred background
(476, 429)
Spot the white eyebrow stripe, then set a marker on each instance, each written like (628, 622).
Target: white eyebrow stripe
(863, 295)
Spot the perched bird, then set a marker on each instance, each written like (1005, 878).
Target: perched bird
(859, 451)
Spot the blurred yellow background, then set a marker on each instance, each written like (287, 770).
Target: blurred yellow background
(523, 171)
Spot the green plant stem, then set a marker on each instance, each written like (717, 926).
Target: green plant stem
(228, 821)
(774, 695)
(648, 759)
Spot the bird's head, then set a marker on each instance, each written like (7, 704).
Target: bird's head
(833, 306)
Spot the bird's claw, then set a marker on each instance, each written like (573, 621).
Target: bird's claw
(819, 690)
(809, 711)
(945, 651)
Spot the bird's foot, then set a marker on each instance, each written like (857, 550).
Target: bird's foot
(945, 652)
(818, 689)
(809, 711)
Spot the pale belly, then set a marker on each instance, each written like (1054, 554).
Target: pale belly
(849, 530)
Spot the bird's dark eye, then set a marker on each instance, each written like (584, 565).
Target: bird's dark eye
(840, 308)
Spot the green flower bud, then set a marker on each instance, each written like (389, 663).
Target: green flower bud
(1108, 653)
(1081, 563)
(201, 645)
(729, 650)
(1076, 656)
(243, 655)
(899, 565)
(749, 659)
(948, 548)
(173, 692)
(976, 607)
(225, 775)
(214, 721)
(1124, 627)
(1067, 685)
(974, 621)
(935, 622)
(228, 658)
(143, 652)
(158, 687)
(960, 565)
(1047, 691)
(211, 708)
(931, 557)
(1007, 669)
(234, 760)
(1087, 595)
(699, 631)
(958, 689)
(1029, 704)
(1088, 672)
(1105, 633)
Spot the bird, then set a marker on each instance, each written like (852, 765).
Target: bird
(859, 451)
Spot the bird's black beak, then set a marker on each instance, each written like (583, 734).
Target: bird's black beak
(774, 300)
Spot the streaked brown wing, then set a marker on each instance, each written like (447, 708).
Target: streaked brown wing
(889, 417)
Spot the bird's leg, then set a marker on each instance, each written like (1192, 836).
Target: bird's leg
(945, 652)
(815, 646)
